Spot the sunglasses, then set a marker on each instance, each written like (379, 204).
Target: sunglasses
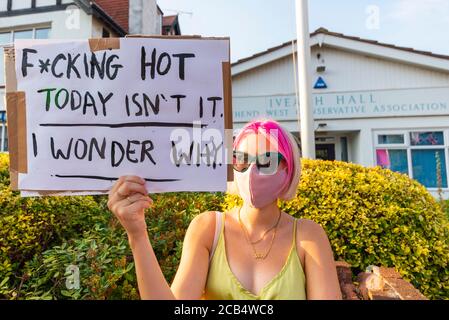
(267, 162)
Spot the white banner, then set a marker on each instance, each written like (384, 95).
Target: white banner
(152, 108)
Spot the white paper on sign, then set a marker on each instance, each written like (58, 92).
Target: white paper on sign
(153, 108)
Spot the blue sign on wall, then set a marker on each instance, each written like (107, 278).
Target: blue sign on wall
(320, 84)
(2, 116)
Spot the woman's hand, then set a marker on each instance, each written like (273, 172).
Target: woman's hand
(128, 200)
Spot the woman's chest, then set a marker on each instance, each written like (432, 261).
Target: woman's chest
(254, 274)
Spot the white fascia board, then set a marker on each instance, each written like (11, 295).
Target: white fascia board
(262, 59)
(369, 49)
(385, 52)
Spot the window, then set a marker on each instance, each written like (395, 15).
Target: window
(43, 33)
(2, 69)
(429, 167)
(3, 137)
(5, 38)
(422, 155)
(344, 149)
(23, 34)
(395, 160)
(106, 33)
(391, 139)
(427, 138)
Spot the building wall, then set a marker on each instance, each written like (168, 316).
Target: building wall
(97, 29)
(150, 22)
(144, 18)
(275, 78)
(344, 71)
(25, 4)
(61, 23)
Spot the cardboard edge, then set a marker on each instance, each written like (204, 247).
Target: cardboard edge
(100, 44)
(22, 132)
(11, 120)
(181, 37)
(11, 110)
(16, 122)
(227, 93)
(10, 69)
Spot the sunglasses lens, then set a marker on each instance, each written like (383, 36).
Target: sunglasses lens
(240, 162)
(269, 162)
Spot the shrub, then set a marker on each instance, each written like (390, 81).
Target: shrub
(445, 207)
(374, 216)
(29, 226)
(41, 237)
(104, 261)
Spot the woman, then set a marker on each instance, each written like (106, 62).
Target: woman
(252, 252)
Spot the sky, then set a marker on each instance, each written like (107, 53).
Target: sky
(256, 25)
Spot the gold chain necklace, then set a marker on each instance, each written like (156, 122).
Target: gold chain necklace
(265, 233)
(260, 256)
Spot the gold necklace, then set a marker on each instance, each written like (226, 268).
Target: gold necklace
(260, 256)
(265, 233)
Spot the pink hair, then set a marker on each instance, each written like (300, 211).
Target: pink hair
(266, 127)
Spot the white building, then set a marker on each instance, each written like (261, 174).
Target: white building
(374, 103)
(76, 19)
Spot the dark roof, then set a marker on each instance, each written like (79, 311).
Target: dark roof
(118, 10)
(171, 23)
(168, 21)
(341, 35)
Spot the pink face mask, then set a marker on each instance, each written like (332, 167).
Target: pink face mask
(258, 190)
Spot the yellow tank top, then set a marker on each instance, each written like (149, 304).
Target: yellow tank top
(222, 284)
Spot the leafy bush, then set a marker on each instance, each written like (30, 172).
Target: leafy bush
(104, 261)
(29, 226)
(445, 207)
(374, 216)
(41, 237)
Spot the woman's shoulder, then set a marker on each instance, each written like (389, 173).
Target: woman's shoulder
(308, 225)
(311, 233)
(202, 227)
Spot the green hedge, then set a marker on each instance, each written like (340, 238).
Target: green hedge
(445, 207)
(376, 217)
(372, 216)
(41, 237)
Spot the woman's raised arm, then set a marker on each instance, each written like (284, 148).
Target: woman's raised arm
(321, 273)
(128, 200)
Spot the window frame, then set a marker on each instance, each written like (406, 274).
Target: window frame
(408, 146)
(4, 136)
(391, 134)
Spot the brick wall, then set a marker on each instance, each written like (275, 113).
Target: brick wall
(377, 283)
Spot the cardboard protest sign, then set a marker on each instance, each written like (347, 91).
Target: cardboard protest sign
(82, 113)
